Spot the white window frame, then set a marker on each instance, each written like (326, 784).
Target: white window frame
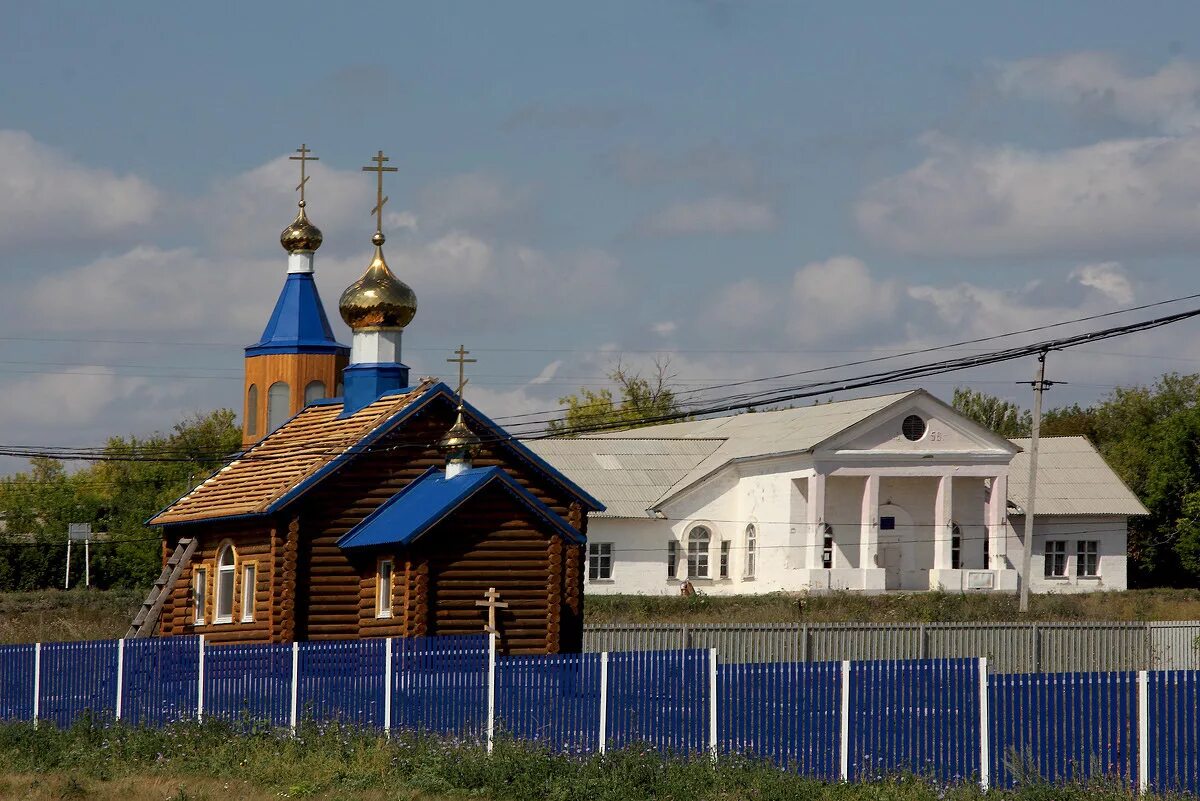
(698, 556)
(600, 561)
(827, 547)
(225, 572)
(751, 552)
(1050, 550)
(955, 547)
(199, 595)
(1082, 555)
(672, 560)
(249, 590)
(723, 560)
(384, 589)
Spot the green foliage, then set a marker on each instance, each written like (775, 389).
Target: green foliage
(333, 760)
(133, 478)
(1004, 417)
(642, 401)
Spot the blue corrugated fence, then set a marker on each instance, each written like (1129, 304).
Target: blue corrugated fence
(1173, 747)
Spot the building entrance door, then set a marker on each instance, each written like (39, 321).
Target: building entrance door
(895, 525)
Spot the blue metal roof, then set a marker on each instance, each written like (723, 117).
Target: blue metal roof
(298, 324)
(412, 511)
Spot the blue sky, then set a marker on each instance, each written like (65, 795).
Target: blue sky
(743, 188)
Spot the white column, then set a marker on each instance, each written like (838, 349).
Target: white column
(603, 701)
(816, 519)
(1143, 679)
(387, 687)
(943, 514)
(985, 746)
(37, 681)
(295, 685)
(712, 702)
(844, 740)
(491, 692)
(868, 553)
(997, 532)
(120, 676)
(200, 683)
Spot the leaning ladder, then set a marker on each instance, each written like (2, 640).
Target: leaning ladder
(147, 617)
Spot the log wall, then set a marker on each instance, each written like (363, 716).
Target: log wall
(297, 370)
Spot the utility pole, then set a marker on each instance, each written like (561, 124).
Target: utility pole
(1040, 384)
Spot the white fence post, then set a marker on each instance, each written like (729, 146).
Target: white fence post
(295, 684)
(387, 687)
(844, 740)
(1143, 678)
(712, 702)
(200, 683)
(120, 674)
(603, 701)
(491, 692)
(37, 681)
(984, 724)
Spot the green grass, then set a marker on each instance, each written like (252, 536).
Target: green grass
(339, 763)
(55, 615)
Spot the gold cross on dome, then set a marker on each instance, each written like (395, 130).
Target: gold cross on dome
(492, 602)
(462, 361)
(302, 158)
(380, 199)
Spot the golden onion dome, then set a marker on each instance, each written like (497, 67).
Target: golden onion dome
(459, 441)
(378, 300)
(301, 236)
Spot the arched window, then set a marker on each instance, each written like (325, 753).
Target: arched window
(955, 547)
(278, 405)
(827, 548)
(252, 409)
(751, 551)
(315, 391)
(698, 542)
(225, 570)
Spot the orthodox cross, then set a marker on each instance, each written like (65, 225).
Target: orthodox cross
(462, 361)
(380, 199)
(492, 602)
(302, 158)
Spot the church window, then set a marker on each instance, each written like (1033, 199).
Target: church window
(751, 550)
(1087, 558)
(200, 594)
(252, 409)
(672, 560)
(913, 427)
(225, 575)
(249, 587)
(955, 547)
(278, 405)
(723, 565)
(1056, 559)
(599, 561)
(827, 548)
(887, 523)
(383, 589)
(315, 391)
(698, 543)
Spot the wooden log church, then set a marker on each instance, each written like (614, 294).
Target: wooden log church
(364, 505)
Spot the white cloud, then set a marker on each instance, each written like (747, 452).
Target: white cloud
(832, 298)
(664, 328)
(470, 198)
(548, 372)
(1108, 278)
(1130, 195)
(718, 214)
(44, 193)
(1097, 83)
(745, 305)
(66, 399)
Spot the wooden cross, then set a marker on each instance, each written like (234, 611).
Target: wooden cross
(493, 603)
(302, 158)
(380, 199)
(462, 361)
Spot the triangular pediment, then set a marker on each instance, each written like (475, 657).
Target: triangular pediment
(932, 427)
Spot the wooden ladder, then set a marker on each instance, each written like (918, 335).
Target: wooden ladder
(147, 617)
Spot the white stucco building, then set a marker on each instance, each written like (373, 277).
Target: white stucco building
(897, 492)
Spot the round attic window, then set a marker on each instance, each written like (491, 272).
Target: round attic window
(913, 427)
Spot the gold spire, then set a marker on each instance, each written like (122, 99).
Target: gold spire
(459, 443)
(378, 301)
(301, 236)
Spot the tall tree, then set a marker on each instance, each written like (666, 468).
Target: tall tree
(639, 401)
(1004, 417)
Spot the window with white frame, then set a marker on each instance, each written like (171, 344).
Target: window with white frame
(383, 588)
(249, 586)
(1056, 559)
(1087, 558)
(751, 551)
(226, 565)
(827, 548)
(723, 565)
(599, 561)
(672, 559)
(200, 594)
(699, 540)
(955, 547)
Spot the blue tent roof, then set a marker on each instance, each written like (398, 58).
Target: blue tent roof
(412, 511)
(298, 324)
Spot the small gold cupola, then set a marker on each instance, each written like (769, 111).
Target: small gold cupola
(301, 236)
(460, 445)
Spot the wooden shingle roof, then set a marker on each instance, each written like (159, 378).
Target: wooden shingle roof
(297, 451)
